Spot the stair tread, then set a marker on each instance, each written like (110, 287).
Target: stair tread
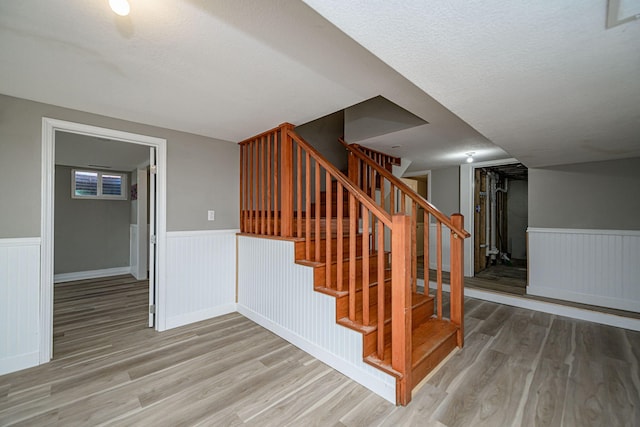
(427, 337)
(425, 340)
(358, 324)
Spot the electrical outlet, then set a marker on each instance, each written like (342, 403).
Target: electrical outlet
(211, 215)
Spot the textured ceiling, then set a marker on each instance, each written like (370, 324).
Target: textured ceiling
(542, 80)
(224, 69)
(73, 149)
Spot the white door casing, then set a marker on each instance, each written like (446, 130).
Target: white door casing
(153, 252)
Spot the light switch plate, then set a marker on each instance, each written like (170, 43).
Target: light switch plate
(211, 215)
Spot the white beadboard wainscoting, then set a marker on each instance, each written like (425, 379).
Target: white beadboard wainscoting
(278, 294)
(19, 303)
(598, 267)
(200, 276)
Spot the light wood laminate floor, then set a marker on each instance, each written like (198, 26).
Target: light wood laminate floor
(518, 367)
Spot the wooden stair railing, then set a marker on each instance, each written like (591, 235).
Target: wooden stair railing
(365, 172)
(360, 252)
(384, 160)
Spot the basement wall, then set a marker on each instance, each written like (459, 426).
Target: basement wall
(445, 189)
(202, 174)
(584, 233)
(595, 195)
(89, 234)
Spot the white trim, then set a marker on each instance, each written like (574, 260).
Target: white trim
(19, 362)
(20, 241)
(185, 319)
(600, 300)
(49, 127)
(195, 233)
(584, 231)
(320, 353)
(547, 307)
(91, 274)
(46, 234)
(467, 207)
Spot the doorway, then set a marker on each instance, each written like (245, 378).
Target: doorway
(157, 155)
(499, 227)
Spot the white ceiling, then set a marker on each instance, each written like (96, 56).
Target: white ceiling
(543, 80)
(77, 150)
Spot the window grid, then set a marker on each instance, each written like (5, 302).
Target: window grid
(88, 184)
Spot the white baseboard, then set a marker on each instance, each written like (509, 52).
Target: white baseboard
(600, 300)
(339, 364)
(19, 362)
(185, 319)
(547, 307)
(91, 274)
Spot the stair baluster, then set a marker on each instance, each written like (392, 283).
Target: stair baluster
(373, 277)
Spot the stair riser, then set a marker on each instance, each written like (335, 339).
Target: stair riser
(323, 225)
(373, 275)
(422, 369)
(419, 315)
(334, 210)
(300, 248)
(342, 303)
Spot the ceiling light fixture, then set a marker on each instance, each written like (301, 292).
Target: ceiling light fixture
(120, 7)
(470, 156)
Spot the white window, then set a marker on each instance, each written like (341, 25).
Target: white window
(91, 184)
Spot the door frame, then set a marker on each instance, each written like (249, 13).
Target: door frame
(49, 128)
(467, 187)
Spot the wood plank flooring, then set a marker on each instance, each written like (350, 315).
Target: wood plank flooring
(518, 368)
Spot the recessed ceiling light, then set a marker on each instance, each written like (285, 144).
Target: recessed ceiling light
(396, 146)
(120, 7)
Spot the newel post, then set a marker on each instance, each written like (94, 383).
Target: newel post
(286, 170)
(457, 284)
(401, 305)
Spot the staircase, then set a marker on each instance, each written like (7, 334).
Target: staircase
(360, 241)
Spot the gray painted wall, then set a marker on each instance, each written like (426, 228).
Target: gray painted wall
(445, 189)
(596, 195)
(323, 135)
(88, 234)
(202, 173)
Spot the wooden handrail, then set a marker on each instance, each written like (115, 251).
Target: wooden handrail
(421, 201)
(359, 194)
(265, 133)
(396, 161)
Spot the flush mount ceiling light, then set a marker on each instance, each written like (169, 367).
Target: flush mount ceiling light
(120, 7)
(470, 156)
